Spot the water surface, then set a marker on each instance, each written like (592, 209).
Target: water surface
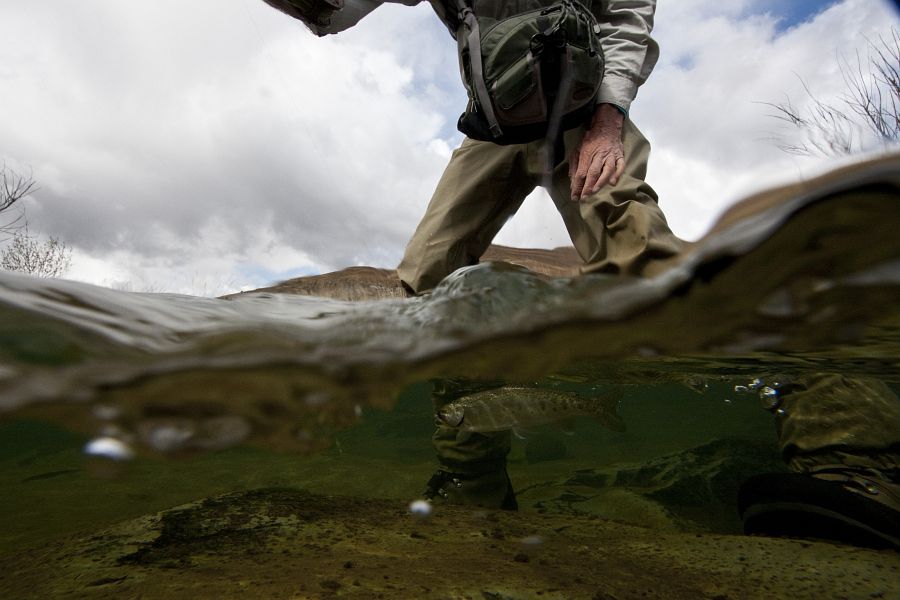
(208, 396)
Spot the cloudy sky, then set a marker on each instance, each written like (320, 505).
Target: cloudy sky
(212, 145)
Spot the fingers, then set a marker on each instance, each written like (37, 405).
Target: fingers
(620, 168)
(576, 178)
(594, 174)
(573, 163)
(601, 170)
(585, 176)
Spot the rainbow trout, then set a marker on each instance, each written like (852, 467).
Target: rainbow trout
(520, 407)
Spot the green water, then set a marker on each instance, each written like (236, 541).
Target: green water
(50, 489)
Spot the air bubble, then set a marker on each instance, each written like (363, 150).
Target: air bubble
(769, 397)
(110, 448)
(420, 508)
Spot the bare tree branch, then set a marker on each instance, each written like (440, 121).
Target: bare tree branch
(13, 187)
(871, 102)
(27, 254)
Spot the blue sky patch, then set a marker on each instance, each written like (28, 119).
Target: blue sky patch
(792, 12)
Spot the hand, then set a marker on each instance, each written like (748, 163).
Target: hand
(600, 158)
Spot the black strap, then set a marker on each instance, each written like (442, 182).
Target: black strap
(560, 88)
(481, 91)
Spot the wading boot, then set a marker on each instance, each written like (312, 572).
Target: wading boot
(486, 490)
(852, 505)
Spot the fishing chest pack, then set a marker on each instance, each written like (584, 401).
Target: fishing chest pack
(530, 75)
(532, 68)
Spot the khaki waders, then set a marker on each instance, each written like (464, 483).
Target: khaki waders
(617, 230)
(620, 229)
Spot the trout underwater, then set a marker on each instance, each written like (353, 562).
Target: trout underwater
(518, 407)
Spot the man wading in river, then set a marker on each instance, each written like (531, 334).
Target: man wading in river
(550, 84)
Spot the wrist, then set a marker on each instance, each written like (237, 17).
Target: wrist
(607, 118)
(608, 111)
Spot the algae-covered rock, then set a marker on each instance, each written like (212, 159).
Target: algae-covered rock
(707, 474)
(287, 543)
(688, 490)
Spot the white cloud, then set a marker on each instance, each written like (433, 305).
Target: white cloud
(170, 138)
(707, 121)
(218, 140)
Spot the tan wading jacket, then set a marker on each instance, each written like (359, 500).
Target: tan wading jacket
(625, 26)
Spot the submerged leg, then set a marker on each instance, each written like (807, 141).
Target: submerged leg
(841, 438)
(482, 187)
(472, 467)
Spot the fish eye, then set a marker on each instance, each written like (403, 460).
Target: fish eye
(451, 418)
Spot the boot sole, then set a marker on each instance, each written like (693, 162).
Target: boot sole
(793, 505)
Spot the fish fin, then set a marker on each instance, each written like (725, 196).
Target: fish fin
(609, 415)
(567, 426)
(520, 433)
(613, 422)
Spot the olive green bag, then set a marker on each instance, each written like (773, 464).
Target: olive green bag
(530, 76)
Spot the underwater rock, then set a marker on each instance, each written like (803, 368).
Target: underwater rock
(707, 474)
(287, 543)
(701, 484)
(688, 490)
